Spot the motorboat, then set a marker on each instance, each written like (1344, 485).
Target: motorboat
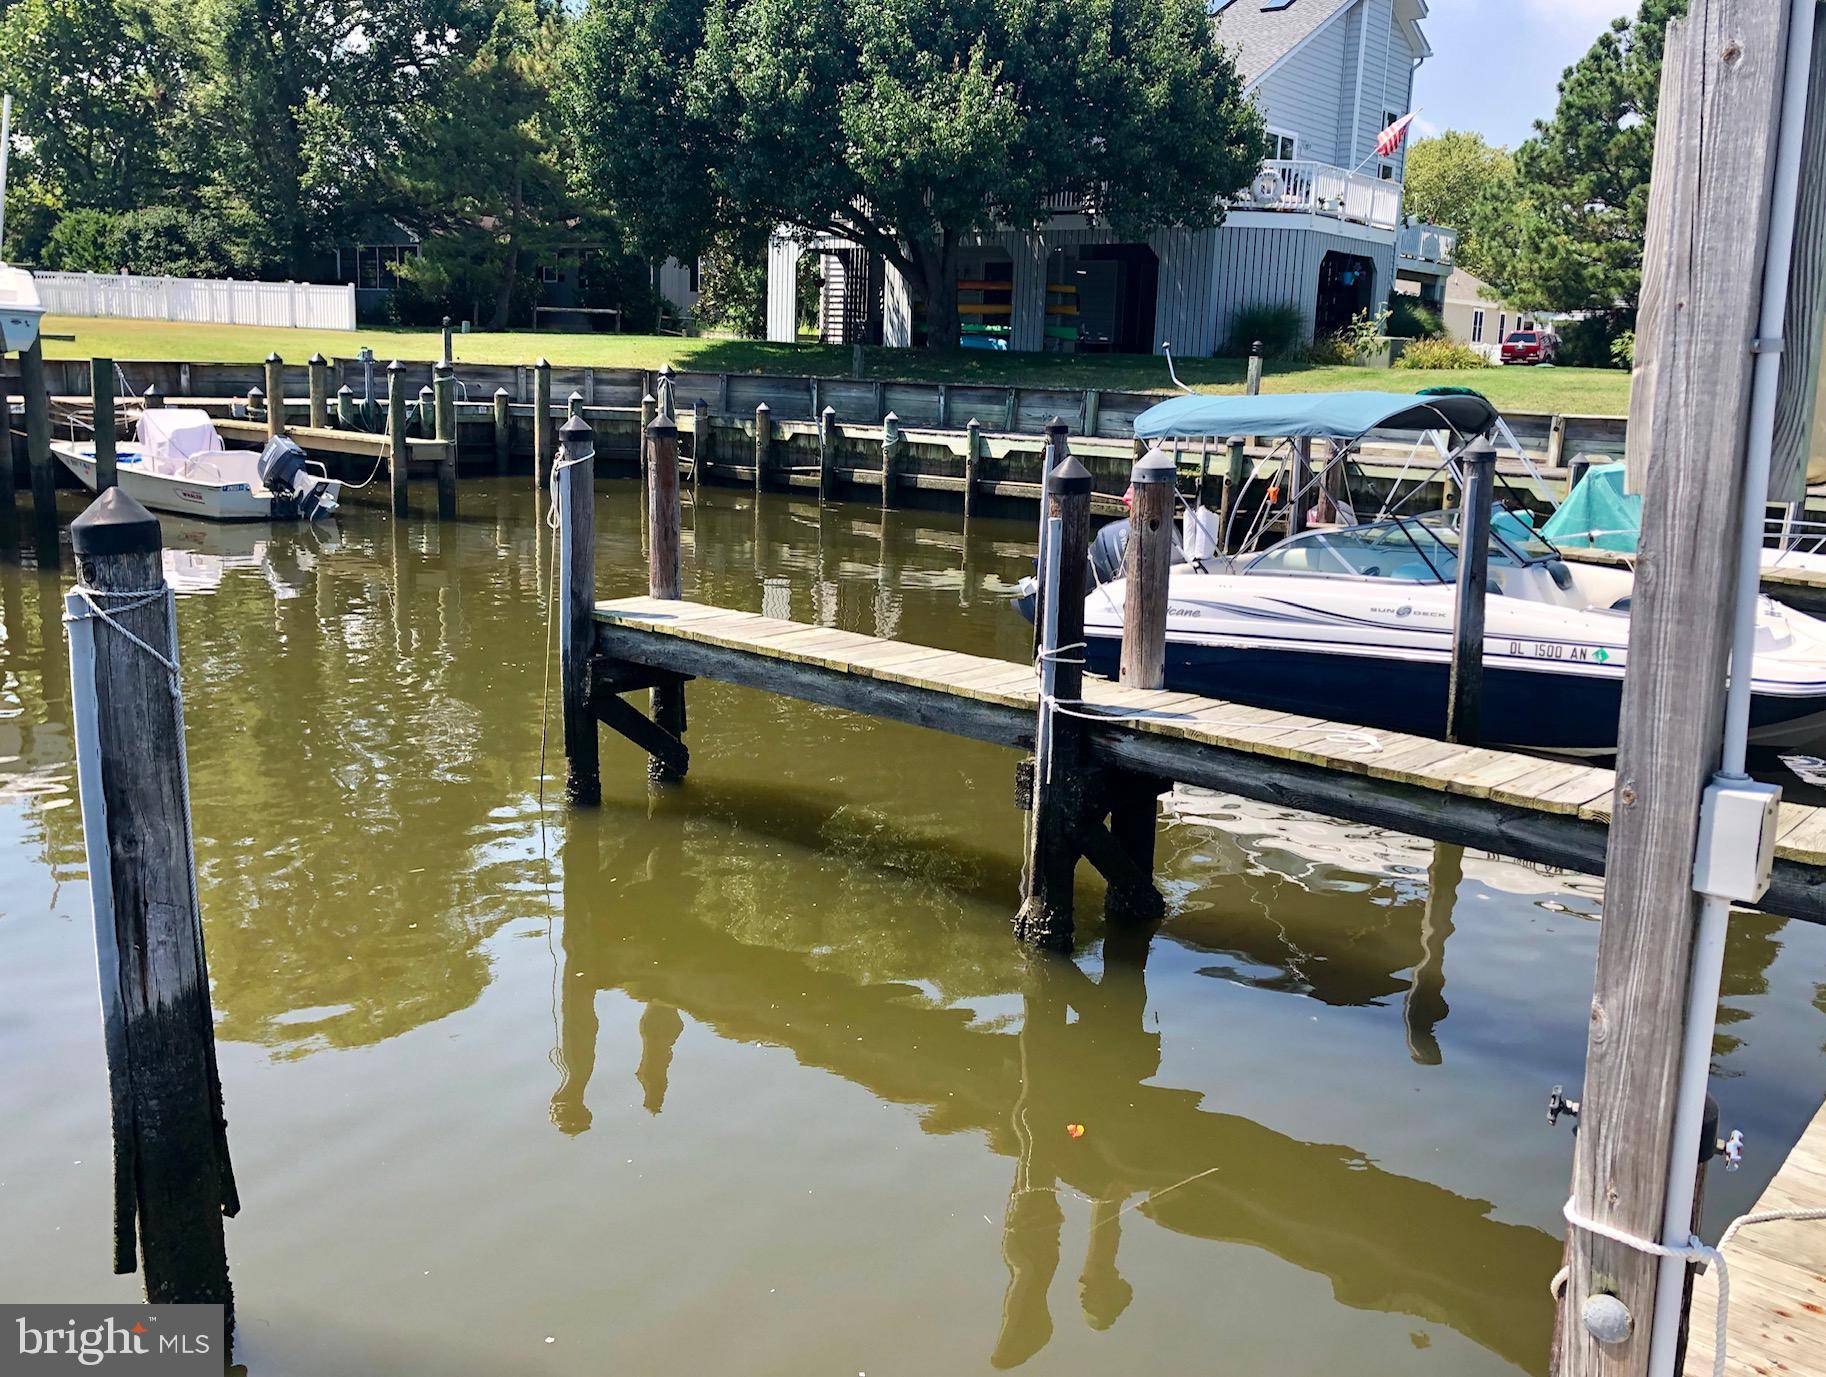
(1599, 514)
(20, 310)
(178, 463)
(1353, 623)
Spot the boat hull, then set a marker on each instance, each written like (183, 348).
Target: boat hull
(164, 493)
(1564, 713)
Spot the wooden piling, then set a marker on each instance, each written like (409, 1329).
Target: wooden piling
(1052, 455)
(444, 392)
(38, 452)
(427, 413)
(9, 478)
(573, 405)
(1045, 916)
(763, 442)
(1236, 478)
(101, 403)
(1707, 233)
(574, 491)
(973, 458)
(542, 424)
(1093, 410)
(1252, 384)
(1299, 469)
(504, 433)
(398, 454)
(892, 442)
(700, 440)
(319, 378)
(1465, 693)
(663, 385)
(173, 1181)
(345, 407)
(1145, 565)
(664, 578)
(449, 355)
(152, 399)
(275, 396)
(827, 441)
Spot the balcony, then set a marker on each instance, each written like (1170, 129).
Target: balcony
(1310, 188)
(1426, 248)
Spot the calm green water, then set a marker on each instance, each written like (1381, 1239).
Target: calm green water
(746, 1076)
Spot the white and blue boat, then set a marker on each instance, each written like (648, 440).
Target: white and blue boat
(1354, 623)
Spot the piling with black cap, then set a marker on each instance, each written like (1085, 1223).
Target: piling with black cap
(173, 1181)
(574, 491)
(1465, 691)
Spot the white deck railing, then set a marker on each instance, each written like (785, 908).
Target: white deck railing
(1428, 244)
(1296, 184)
(209, 301)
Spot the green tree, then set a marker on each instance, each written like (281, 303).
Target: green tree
(307, 100)
(485, 185)
(94, 84)
(905, 126)
(1574, 240)
(1459, 180)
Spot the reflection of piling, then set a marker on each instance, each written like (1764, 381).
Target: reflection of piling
(1424, 1008)
(173, 1181)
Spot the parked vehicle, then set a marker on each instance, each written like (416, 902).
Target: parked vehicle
(1530, 346)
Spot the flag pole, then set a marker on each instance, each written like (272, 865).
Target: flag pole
(1374, 152)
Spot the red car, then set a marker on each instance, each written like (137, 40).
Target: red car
(1529, 346)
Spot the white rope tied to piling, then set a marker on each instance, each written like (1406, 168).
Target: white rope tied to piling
(1694, 1250)
(137, 597)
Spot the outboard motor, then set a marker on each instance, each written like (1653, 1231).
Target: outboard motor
(296, 491)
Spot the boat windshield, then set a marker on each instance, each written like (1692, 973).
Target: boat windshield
(1420, 549)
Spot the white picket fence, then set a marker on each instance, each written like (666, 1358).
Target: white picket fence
(208, 301)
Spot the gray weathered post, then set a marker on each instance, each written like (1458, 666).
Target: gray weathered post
(345, 407)
(1299, 466)
(172, 1178)
(722, 394)
(573, 404)
(101, 402)
(1704, 253)
(399, 456)
(827, 441)
(275, 396)
(542, 424)
(444, 391)
(318, 375)
(1052, 455)
(1145, 565)
(763, 442)
(152, 399)
(893, 443)
(38, 451)
(574, 490)
(1059, 803)
(1236, 478)
(1465, 694)
(504, 430)
(700, 440)
(664, 385)
(1253, 384)
(427, 413)
(664, 572)
(973, 458)
(944, 406)
(449, 354)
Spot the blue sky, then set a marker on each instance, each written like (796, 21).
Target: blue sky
(1495, 62)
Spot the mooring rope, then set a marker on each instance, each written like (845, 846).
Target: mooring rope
(553, 520)
(1693, 1250)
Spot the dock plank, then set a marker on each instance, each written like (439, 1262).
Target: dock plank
(1552, 811)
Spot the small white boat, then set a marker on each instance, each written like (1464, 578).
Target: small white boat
(177, 463)
(20, 310)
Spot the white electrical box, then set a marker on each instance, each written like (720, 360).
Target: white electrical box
(1736, 839)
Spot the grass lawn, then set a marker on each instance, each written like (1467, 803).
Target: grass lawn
(1573, 391)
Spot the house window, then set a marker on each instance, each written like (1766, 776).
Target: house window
(548, 273)
(367, 267)
(1502, 326)
(1477, 327)
(1386, 172)
(1283, 145)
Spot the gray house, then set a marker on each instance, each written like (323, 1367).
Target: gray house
(1319, 228)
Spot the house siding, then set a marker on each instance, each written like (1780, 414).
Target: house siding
(782, 290)
(1280, 267)
(1304, 95)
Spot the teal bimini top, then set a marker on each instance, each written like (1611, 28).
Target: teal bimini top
(1319, 415)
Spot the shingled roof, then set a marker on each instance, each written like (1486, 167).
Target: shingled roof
(1261, 37)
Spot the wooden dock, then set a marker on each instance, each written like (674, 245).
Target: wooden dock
(1544, 811)
(1777, 1319)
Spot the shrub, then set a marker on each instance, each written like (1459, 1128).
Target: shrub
(1623, 349)
(733, 287)
(1440, 353)
(83, 241)
(1410, 318)
(1588, 343)
(1281, 329)
(1365, 333)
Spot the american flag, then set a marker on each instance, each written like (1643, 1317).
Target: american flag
(1390, 139)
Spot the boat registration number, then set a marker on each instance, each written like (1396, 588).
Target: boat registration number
(1572, 654)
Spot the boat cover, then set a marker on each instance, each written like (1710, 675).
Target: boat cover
(170, 436)
(1597, 513)
(1322, 415)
